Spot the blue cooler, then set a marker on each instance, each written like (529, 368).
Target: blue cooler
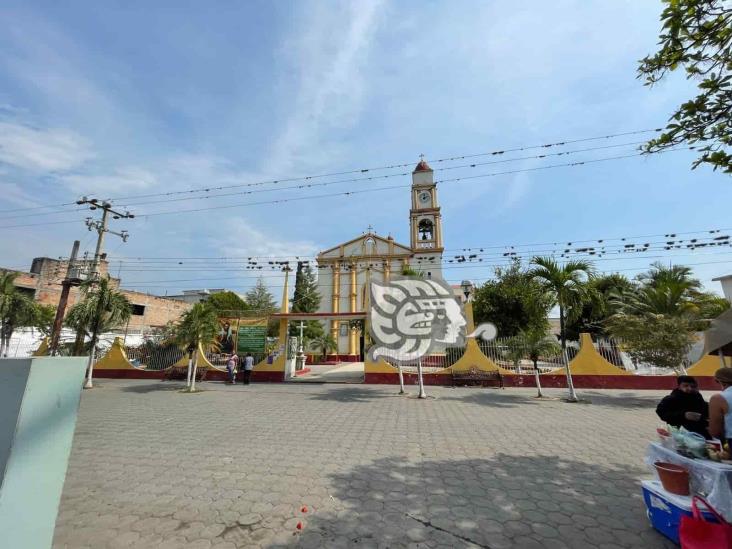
(666, 509)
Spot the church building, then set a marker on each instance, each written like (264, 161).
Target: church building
(345, 270)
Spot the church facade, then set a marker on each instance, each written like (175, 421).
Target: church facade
(345, 270)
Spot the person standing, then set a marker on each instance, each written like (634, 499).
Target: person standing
(231, 367)
(720, 407)
(248, 367)
(685, 407)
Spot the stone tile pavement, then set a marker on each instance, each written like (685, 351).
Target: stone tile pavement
(236, 466)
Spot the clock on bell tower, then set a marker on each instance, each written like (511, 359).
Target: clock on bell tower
(425, 219)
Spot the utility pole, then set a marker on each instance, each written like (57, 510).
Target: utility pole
(101, 226)
(71, 279)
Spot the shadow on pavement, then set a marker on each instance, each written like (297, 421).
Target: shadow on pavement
(153, 387)
(507, 501)
(620, 400)
(352, 394)
(494, 398)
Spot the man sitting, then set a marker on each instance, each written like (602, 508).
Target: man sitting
(685, 407)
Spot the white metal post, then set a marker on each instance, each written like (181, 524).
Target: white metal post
(422, 394)
(92, 353)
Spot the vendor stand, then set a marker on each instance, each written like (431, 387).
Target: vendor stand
(709, 479)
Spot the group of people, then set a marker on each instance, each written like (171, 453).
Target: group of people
(686, 407)
(233, 362)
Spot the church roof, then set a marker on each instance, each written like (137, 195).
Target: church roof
(399, 249)
(422, 167)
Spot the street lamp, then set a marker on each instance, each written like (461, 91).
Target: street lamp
(468, 288)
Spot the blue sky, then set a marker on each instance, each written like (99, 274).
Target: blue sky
(128, 98)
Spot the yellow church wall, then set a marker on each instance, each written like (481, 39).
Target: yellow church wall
(589, 362)
(707, 365)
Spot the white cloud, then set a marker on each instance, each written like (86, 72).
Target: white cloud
(119, 181)
(42, 150)
(237, 238)
(328, 59)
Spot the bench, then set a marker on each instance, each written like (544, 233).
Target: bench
(475, 377)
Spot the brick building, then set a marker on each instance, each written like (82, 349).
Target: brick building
(43, 283)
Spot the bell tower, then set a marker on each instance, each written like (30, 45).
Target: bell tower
(425, 221)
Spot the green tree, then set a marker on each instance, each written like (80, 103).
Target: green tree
(306, 299)
(227, 304)
(325, 343)
(261, 302)
(599, 307)
(197, 329)
(657, 339)
(408, 271)
(657, 318)
(534, 344)
(569, 288)
(45, 315)
(17, 310)
(512, 301)
(696, 35)
(101, 309)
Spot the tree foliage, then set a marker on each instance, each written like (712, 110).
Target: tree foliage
(657, 318)
(568, 285)
(227, 304)
(101, 309)
(598, 307)
(324, 343)
(18, 310)
(512, 301)
(198, 326)
(260, 301)
(657, 339)
(696, 35)
(306, 299)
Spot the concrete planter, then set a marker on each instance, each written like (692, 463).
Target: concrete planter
(39, 402)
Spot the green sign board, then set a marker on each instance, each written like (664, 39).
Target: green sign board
(251, 339)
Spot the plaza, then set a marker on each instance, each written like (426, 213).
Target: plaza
(355, 466)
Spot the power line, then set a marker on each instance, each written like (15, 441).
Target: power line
(394, 187)
(361, 170)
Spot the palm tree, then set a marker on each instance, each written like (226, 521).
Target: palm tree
(534, 344)
(101, 309)
(198, 328)
(16, 310)
(568, 286)
(325, 343)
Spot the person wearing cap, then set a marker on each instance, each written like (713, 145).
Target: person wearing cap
(685, 407)
(720, 407)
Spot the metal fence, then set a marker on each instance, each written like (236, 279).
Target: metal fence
(431, 363)
(513, 354)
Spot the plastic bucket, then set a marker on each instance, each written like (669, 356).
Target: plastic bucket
(674, 478)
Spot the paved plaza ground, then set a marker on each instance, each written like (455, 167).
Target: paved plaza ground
(234, 467)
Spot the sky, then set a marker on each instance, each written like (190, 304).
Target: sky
(121, 99)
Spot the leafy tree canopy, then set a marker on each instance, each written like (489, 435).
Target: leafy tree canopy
(227, 303)
(596, 310)
(696, 35)
(513, 301)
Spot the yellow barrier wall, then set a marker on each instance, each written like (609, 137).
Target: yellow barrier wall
(707, 365)
(589, 362)
(115, 359)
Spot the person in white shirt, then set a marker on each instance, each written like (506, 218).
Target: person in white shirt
(248, 367)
